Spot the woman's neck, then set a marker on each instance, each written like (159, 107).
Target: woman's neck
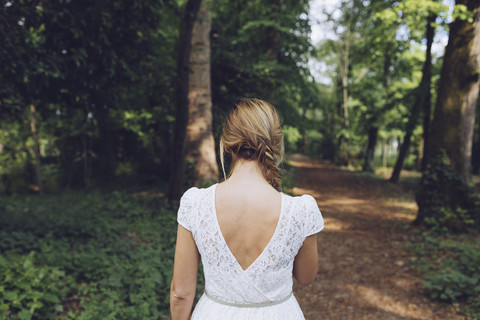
(248, 170)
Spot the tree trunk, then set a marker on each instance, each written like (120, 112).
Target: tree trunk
(181, 119)
(346, 122)
(369, 163)
(427, 103)
(444, 193)
(384, 152)
(87, 163)
(304, 131)
(36, 149)
(369, 160)
(422, 99)
(476, 143)
(273, 34)
(200, 142)
(453, 123)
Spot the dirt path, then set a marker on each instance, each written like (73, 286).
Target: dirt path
(364, 271)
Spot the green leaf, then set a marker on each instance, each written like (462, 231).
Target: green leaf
(24, 315)
(3, 262)
(10, 296)
(51, 298)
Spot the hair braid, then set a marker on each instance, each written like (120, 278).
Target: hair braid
(270, 168)
(252, 131)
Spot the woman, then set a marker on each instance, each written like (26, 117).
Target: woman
(250, 236)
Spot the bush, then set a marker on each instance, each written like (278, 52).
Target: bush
(457, 278)
(445, 201)
(28, 291)
(97, 255)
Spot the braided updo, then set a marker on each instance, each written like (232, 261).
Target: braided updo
(252, 132)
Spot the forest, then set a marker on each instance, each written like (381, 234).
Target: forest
(110, 110)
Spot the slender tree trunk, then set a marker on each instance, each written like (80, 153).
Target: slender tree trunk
(273, 34)
(36, 149)
(304, 131)
(369, 162)
(181, 120)
(369, 159)
(200, 142)
(422, 98)
(452, 127)
(346, 122)
(384, 152)
(476, 143)
(427, 104)
(343, 57)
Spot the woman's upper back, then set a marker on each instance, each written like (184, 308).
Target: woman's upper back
(272, 232)
(247, 214)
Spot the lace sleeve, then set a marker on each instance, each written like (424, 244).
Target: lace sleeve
(185, 216)
(313, 216)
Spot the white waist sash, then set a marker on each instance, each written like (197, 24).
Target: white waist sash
(248, 305)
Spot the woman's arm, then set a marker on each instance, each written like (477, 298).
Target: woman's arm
(305, 266)
(184, 281)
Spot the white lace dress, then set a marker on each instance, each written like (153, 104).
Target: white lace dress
(264, 289)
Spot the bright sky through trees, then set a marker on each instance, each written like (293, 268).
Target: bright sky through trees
(321, 30)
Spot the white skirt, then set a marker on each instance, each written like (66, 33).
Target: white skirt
(208, 309)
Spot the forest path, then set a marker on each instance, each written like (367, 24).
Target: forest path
(363, 270)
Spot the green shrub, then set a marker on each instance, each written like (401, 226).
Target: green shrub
(446, 202)
(106, 255)
(28, 291)
(457, 278)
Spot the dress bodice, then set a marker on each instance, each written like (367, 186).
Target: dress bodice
(269, 277)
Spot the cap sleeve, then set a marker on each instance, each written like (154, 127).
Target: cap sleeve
(313, 216)
(185, 215)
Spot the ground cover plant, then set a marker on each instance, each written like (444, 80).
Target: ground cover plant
(450, 268)
(86, 255)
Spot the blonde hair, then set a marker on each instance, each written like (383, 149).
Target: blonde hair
(252, 132)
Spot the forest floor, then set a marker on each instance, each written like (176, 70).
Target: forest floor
(364, 270)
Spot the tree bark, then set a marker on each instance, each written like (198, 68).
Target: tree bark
(273, 34)
(343, 57)
(427, 104)
(36, 149)
(200, 142)
(422, 99)
(181, 119)
(453, 123)
(444, 193)
(476, 143)
(369, 163)
(384, 152)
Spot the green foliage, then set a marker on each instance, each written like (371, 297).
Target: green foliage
(28, 291)
(446, 203)
(287, 175)
(97, 255)
(247, 61)
(450, 267)
(291, 138)
(102, 94)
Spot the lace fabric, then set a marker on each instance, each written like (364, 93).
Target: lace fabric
(269, 277)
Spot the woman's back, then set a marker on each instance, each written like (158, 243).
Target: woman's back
(247, 212)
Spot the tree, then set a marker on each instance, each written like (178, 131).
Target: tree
(452, 126)
(200, 143)
(444, 194)
(182, 85)
(422, 99)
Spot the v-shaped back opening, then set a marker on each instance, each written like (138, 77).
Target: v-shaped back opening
(234, 257)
